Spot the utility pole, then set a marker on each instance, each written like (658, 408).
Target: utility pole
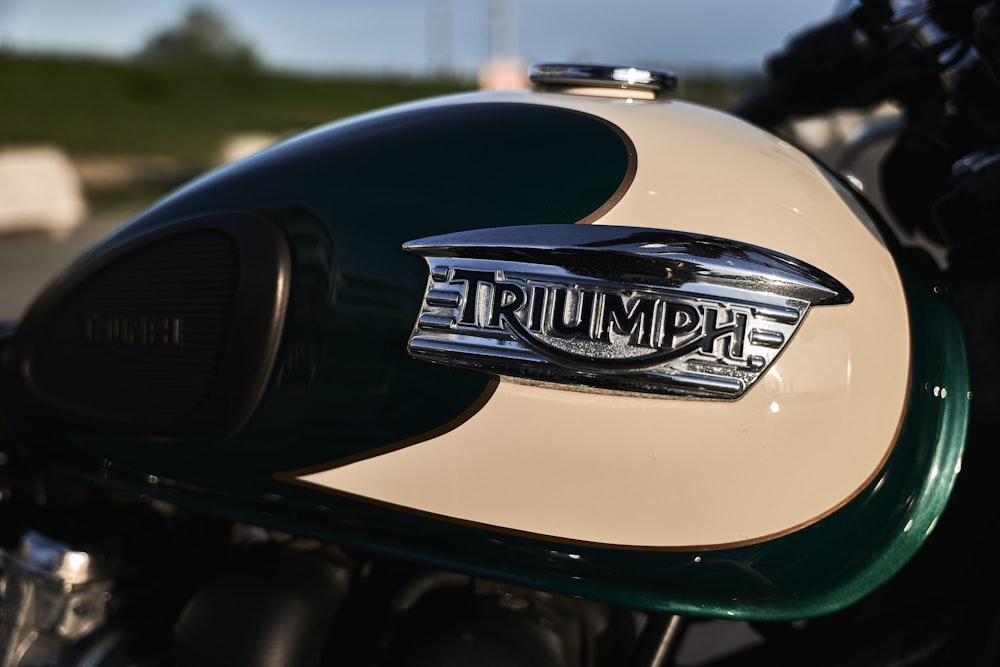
(439, 37)
(503, 68)
(502, 29)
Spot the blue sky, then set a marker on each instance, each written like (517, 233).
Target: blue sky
(401, 36)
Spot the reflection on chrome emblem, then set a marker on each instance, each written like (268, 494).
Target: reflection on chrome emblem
(620, 309)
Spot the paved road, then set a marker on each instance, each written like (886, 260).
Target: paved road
(29, 261)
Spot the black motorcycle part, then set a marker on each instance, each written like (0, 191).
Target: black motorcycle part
(914, 173)
(987, 38)
(168, 333)
(955, 17)
(444, 619)
(967, 214)
(276, 610)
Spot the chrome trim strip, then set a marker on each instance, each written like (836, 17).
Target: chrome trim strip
(618, 309)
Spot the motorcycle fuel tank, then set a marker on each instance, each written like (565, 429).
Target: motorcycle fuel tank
(585, 339)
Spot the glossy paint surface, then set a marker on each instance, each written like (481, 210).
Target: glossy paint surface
(804, 441)
(796, 500)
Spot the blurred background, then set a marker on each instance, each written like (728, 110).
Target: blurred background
(106, 105)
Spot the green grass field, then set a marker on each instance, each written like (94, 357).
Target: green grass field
(141, 113)
(121, 108)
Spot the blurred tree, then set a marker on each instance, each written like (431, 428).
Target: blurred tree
(203, 37)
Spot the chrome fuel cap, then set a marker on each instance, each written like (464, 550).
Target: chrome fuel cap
(601, 79)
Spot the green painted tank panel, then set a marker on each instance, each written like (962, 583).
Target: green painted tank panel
(347, 197)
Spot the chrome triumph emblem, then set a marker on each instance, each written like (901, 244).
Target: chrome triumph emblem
(619, 309)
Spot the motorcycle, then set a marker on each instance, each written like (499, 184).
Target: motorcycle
(556, 377)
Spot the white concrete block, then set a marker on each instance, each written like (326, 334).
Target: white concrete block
(39, 191)
(240, 146)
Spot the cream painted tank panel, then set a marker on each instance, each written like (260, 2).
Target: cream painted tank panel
(655, 472)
